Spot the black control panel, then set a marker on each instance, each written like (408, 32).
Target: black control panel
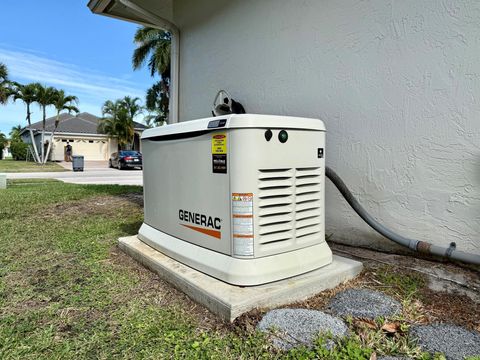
(217, 123)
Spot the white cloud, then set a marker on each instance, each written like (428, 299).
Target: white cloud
(91, 87)
(32, 67)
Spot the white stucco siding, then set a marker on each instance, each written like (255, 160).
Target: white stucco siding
(396, 82)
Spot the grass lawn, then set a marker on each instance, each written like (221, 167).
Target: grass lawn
(67, 292)
(9, 165)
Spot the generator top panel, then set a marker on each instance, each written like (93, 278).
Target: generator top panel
(237, 121)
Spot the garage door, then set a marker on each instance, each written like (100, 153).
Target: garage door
(90, 149)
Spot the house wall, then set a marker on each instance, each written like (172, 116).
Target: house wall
(112, 146)
(93, 148)
(397, 84)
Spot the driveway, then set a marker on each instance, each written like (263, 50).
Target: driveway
(95, 172)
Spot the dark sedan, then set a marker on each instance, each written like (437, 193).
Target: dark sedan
(126, 159)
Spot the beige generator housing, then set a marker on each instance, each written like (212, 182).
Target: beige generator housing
(238, 197)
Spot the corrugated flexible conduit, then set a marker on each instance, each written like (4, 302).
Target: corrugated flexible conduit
(415, 245)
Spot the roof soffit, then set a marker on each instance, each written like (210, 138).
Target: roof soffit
(114, 8)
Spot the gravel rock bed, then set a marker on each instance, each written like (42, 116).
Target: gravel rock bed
(294, 327)
(454, 341)
(363, 303)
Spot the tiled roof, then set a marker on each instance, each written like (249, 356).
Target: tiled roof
(82, 123)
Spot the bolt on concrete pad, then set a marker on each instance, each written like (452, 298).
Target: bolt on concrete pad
(289, 328)
(455, 342)
(364, 303)
(229, 301)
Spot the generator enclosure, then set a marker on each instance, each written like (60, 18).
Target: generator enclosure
(238, 197)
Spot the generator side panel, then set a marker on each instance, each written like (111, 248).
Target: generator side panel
(278, 190)
(184, 197)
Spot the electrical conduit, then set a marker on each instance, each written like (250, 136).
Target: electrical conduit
(415, 245)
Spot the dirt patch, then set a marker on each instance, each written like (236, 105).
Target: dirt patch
(452, 308)
(99, 205)
(410, 276)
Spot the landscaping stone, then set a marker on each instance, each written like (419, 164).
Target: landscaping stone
(294, 327)
(454, 341)
(363, 303)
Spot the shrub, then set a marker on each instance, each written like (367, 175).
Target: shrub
(19, 150)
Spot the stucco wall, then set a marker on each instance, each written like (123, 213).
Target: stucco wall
(397, 84)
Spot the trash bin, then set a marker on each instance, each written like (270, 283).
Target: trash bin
(77, 162)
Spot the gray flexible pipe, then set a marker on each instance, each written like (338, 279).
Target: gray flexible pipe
(415, 245)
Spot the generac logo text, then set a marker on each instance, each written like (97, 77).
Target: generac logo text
(209, 225)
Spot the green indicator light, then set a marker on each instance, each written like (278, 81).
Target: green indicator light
(283, 136)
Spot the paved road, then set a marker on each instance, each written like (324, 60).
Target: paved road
(95, 172)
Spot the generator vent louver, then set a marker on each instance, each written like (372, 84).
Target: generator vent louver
(289, 206)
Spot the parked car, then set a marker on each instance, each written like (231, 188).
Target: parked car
(126, 159)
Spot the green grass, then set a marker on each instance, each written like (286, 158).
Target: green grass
(9, 165)
(67, 292)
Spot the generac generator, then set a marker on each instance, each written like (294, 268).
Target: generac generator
(238, 197)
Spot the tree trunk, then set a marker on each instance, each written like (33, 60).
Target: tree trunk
(43, 135)
(51, 140)
(35, 156)
(32, 138)
(49, 147)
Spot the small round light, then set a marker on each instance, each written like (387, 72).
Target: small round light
(283, 136)
(268, 135)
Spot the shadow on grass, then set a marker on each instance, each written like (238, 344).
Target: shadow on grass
(131, 228)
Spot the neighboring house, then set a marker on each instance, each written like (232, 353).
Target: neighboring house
(81, 131)
(396, 83)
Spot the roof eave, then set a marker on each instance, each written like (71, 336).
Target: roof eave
(136, 11)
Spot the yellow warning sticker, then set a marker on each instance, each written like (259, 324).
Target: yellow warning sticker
(219, 143)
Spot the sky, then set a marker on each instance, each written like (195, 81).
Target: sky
(60, 43)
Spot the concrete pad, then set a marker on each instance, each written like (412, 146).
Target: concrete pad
(229, 301)
(3, 181)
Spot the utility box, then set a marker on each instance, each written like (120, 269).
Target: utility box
(77, 162)
(238, 197)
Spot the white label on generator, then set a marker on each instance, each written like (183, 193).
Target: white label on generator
(242, 213)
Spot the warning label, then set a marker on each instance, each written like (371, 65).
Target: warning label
(219, 163)
(219, 153)
(219, 143)
(242, 213)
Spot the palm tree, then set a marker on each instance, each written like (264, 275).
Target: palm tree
(131, 105)
(61, 102)
(15, 132)
(154, 49)
(45, 97)
(28, 94)
(117, 120)
(125, 128)
(4, 84)
(154, 118)
(157, 100)
(111, 108)
(153, 44)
